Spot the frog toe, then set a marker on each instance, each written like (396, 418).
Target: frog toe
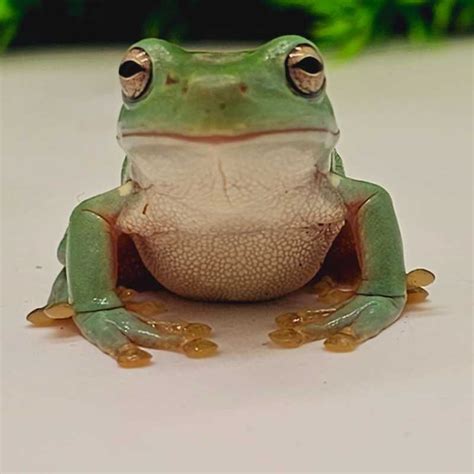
(341, 342)
(130, 356)
(38, 317)
(46, 315)
(287, 337)
(145, 308)
(330, 292)
(416, 280)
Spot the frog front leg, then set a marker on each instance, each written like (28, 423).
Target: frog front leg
(91, 275)
(381, 295)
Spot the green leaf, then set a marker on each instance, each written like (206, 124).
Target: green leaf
(9, 21)
(442, 15)
(11, 14)
(417, 29)
(465, 19)
(8, 11)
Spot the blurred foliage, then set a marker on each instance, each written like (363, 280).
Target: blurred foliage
(347, 25)
(11, 13)
(40, 22)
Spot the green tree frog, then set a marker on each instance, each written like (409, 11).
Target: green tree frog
(232, 190)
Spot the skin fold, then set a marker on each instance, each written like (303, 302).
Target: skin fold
(232, 190)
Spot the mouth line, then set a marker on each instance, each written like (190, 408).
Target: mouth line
(224, 138)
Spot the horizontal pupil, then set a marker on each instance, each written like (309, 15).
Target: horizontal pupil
(130, 68)
(310, 65)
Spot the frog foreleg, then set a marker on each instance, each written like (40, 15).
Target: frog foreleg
(380, 298)
(91, 252)
(86, 290)
(59, 291)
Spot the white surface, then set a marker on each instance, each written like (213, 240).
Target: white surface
(401, 402)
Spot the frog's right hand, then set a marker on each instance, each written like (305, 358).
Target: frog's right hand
(118, 332)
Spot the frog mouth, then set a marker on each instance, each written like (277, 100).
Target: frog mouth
(216, 139)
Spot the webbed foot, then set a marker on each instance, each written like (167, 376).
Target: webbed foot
(344, 328)
(118, 332)
(352, 318)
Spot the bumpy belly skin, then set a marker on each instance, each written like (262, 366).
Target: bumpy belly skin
(233, 225)
(237, 266)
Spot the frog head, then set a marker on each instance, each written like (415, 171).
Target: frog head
(175, 99)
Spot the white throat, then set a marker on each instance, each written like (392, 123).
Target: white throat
(234, 172)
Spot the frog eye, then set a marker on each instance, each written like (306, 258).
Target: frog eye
(305, 70)
(135, 73)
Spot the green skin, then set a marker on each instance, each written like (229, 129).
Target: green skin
(88, 250)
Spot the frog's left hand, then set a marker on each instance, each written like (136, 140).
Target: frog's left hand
(359, 319)
(119, 332)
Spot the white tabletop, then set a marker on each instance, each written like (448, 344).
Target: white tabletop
(401, 402)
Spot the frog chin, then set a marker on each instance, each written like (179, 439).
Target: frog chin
(158, 158)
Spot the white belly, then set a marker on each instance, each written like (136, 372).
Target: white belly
(233, 222)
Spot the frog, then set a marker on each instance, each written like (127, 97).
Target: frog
(231, 191)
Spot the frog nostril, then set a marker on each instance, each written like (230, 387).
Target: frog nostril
(171, 80)
(243, 87)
